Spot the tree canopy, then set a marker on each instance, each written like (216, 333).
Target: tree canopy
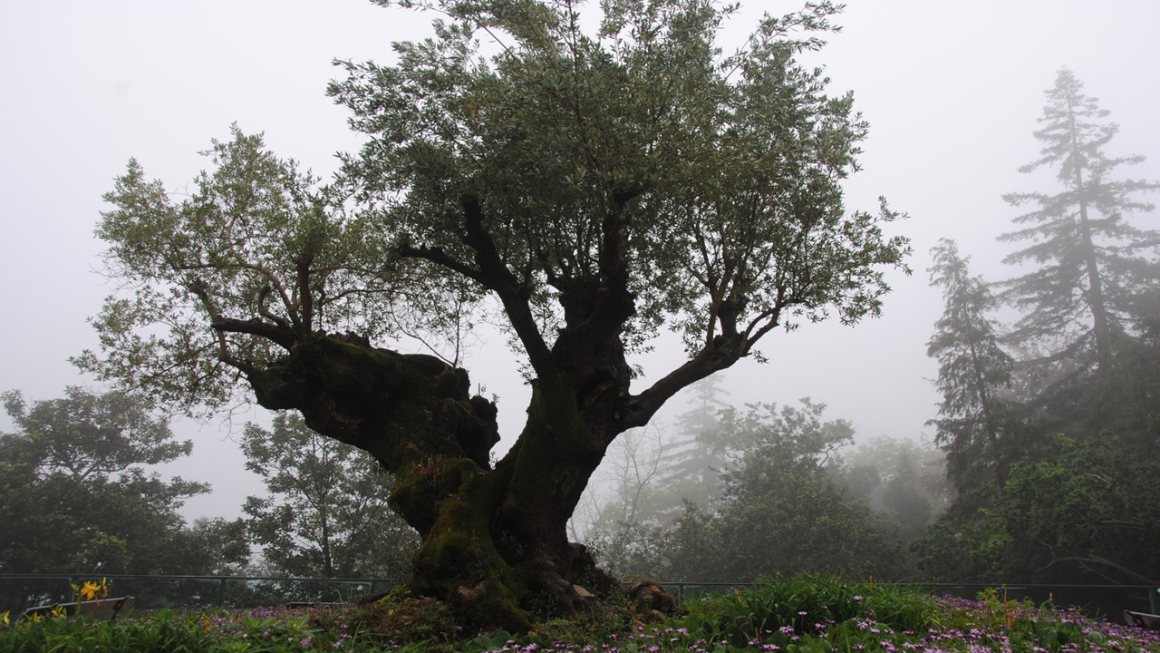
(325, 513)
(584, 188)
(77, 494)
(702, 189)
(783, 510)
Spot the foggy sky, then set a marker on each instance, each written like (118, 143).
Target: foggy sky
(952, 92)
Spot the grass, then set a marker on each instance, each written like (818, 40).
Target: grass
(800, 615)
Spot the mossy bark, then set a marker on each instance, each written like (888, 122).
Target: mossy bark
(493, 541)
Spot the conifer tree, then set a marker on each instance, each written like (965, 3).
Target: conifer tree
(695, 459)
(974, 418)
(1090, 266)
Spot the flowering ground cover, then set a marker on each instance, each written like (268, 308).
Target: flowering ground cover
(803, 615)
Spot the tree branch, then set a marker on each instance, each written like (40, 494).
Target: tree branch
(498, 278)
(440, 257)
(642, 407)
(492, 273)
(265, 312)
(305, 296)
(285, 338)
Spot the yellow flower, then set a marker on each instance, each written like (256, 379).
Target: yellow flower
(36, 616)
(89, 590)
(59, 612)
(94, 590)
(4, 618)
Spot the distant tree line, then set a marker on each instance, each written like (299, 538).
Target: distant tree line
(733, 494)
(79, 493)
(730, 495)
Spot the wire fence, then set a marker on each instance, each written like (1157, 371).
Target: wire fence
(19, 592)
(22, 591)
(1095, 600)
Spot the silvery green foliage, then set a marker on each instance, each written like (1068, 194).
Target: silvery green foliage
(720, 171)
(257, 242)
(635, 156)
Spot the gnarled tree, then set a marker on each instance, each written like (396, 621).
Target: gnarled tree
(593, 188)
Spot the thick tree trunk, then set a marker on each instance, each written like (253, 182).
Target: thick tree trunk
(546, 473)
(494, 541)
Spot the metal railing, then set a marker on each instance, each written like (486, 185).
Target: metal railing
(21, 591)
(1101, 600)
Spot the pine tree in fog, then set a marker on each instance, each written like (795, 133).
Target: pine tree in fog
(1088, 267)
(974, 419)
